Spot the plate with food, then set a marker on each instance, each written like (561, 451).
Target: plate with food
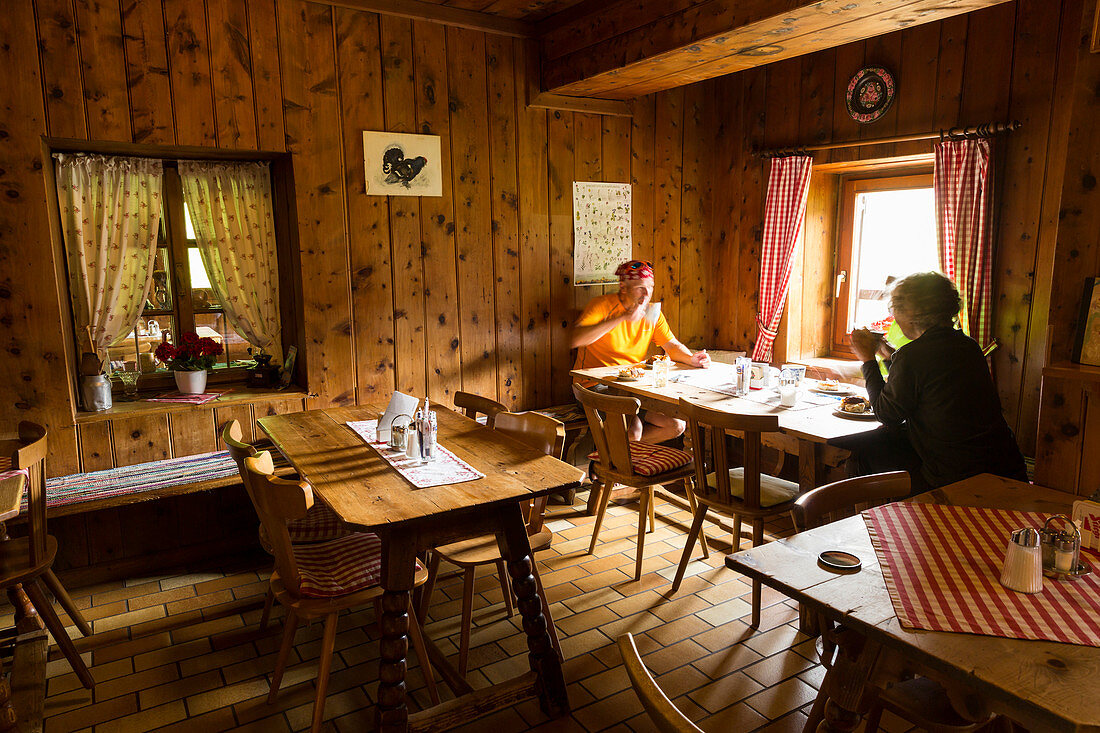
(855, 408)
(630, 374)
(831, 386)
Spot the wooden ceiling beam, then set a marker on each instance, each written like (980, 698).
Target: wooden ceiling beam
(442, 14)
(717, 37)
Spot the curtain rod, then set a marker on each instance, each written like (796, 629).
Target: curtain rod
(965, 133)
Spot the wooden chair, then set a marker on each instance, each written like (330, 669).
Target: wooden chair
(921, 701)
(473, 405)
(741, 492)
(28, 561)
(542, 433)
(318, 580)
(320, 524)
(666, 717)
(620, 460)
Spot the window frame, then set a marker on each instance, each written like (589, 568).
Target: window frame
(852, 184)
(285, 215)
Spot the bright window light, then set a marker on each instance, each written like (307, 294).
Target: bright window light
(187, 224)
(199, 278)
(894, 235)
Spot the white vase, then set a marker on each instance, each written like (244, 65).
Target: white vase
(191, 382)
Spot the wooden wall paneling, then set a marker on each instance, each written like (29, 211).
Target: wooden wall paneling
(500, 64)
(96, 453)
(849, 60)
(437, 218)
(473, 208)
(694, 217)
(986, 75)
(150, 89)
(1059, 447)
(754, 181)
(359, 60)
(615, 142)
(72, 540)
(313, 135)
(398, 83)
(104, 537)
(916, 97)
(196, 431)
(266, 78)
(723, 252)
(1042, 279)
(534, 236)
(884, 51)
(59, 56)
(141, 439)
(37, 376)
(103, 70)
(949, 71)
(189, 64)
(242, 413)
(268, 408)
(231, 61)
(668, 176)
(587, 166)
(1020, 207)
(643, 127)
(562, 307)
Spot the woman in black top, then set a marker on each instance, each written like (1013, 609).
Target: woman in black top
(939, 392)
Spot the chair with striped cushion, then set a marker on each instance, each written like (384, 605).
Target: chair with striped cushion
(740, 491)
(320, 524)
(619, 460)
(318, 580)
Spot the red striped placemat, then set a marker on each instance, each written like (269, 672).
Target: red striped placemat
(942, 567)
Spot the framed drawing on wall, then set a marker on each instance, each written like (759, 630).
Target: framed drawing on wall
(399, 164)
(1086, 348)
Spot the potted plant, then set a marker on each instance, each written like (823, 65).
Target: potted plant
(189, 360)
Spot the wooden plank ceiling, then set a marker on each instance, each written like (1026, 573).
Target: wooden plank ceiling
(529, 10)
(630, 48)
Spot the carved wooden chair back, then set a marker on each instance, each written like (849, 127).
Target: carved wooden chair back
(277, 502)
(665, 715)
(717, 423)
(543, 434)
(841, 499)
(473, 405)
(607, 422)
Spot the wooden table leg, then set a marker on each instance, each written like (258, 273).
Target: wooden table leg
(398, 568)
(807, 481)
(844, 685)
(516, 549)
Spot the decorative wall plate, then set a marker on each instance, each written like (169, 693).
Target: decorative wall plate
(870, 94)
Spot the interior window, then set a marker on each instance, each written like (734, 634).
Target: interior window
(887, 231)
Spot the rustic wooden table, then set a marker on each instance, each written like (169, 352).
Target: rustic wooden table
(368, 494)
(1042, 685)
(807, 433)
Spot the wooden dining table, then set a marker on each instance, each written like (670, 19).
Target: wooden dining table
(1043, 685)
(368, 494)
(808, 433)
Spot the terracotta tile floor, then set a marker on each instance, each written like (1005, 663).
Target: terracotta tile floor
(183, 652)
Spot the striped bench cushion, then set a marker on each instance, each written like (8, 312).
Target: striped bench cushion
(137, 479)
(650, 460)
(318, 525)
(339, 567)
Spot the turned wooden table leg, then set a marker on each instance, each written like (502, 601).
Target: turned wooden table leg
(398, 560)
(845, 685)
(544, 660)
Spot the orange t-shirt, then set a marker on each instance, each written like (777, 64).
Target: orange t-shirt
(627, 343)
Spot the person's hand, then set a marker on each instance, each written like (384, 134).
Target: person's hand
(634, 311)
(885, 350)
(866, 343)
(700, 359)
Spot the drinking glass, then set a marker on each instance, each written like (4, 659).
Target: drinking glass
(129, 379)
(788, 388)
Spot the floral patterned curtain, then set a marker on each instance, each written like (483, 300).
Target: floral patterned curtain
(230, 209)
(110, 217)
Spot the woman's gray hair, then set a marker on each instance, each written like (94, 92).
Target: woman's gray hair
(927, 299)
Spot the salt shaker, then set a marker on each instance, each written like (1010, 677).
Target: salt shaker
(412, 441)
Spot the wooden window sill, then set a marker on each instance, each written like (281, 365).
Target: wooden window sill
(138, 407)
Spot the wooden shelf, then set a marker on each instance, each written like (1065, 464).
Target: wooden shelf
(140, 407)
(1073, 372)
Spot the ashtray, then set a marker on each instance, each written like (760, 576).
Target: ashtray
(1083, 568)
(838, 560)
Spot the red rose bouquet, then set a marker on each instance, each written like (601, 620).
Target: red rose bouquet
(192, 354)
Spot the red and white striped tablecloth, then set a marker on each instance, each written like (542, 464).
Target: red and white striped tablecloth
(942, 566)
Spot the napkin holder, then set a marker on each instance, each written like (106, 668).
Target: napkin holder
(1023, 568)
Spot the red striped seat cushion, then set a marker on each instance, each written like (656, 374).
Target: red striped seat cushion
(650, 460)
(339, 567)
(318, 525)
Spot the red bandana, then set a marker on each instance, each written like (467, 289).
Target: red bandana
(635, 270)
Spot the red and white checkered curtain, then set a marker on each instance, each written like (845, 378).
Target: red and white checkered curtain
(962, 183)
(784, 211)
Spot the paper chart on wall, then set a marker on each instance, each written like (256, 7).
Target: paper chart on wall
(601, 231)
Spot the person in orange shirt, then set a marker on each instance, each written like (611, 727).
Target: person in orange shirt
(614, 331)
